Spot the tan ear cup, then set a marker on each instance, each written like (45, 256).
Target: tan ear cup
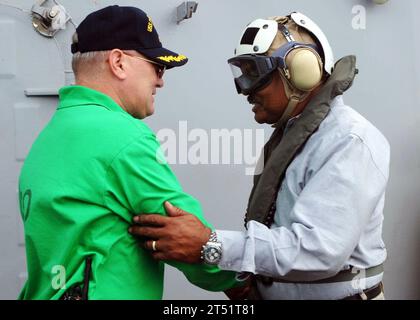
(305, 68)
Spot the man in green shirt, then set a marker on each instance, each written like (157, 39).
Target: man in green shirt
(96, 164)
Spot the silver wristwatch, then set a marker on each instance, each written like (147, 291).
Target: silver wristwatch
(211, 252)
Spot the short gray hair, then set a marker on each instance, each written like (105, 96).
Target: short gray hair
(88, 62)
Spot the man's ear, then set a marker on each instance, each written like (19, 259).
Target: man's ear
(117, 64)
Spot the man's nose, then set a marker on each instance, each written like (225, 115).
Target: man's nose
(160, 83)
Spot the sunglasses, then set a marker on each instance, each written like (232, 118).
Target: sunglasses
(159, 68)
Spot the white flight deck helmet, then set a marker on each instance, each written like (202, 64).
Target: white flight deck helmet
(294, 45)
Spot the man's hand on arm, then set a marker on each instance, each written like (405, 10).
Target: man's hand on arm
(239, 293)
(179, 236)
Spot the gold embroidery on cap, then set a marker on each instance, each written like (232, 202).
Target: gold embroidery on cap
(150, 25)
(172, 58)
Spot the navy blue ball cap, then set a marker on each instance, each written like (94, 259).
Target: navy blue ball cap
(125, 28)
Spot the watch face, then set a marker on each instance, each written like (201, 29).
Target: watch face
(213, 253)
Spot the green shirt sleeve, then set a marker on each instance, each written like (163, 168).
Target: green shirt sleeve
(139, 181)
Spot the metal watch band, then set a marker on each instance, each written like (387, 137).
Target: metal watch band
(212, 238)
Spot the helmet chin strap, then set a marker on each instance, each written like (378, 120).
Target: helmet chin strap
(295, 96)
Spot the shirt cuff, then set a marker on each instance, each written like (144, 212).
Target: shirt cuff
(233, 246)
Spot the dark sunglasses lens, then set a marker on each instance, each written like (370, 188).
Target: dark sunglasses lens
(160, 70)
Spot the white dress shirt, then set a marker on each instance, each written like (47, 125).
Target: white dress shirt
(329, 214)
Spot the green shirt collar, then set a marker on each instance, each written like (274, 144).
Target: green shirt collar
(73, 96)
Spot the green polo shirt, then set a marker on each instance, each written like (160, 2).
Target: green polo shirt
(89, 171)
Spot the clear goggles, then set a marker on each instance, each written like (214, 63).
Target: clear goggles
(252, 72)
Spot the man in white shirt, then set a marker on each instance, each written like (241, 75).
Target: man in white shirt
(314, 218)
